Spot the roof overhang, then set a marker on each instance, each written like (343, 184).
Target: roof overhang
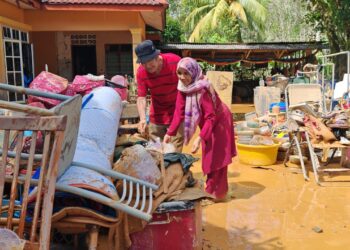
(152, 14)
(25, 4)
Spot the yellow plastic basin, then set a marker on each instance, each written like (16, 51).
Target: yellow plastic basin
(257, 155)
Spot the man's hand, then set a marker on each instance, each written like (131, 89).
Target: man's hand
(142, 126)
(167, 139)
(195, 145)
(141, 108)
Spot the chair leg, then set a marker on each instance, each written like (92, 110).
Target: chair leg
(301, 158)
(93, 237)
(314, 160)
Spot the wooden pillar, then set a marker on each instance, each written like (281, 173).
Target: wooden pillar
(64, 54)
(2, 60)
(138, 35)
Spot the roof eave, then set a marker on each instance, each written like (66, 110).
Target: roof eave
(239, 46)
(103, 7)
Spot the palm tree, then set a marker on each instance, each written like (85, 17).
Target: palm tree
(211, 15)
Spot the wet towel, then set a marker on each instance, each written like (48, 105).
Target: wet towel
(186, 160)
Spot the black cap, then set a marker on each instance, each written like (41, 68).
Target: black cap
(146, 51)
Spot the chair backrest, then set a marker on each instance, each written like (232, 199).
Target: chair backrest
(301, 93)
(25, 204)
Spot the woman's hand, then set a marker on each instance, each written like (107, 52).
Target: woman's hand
(195, 145)
(167, 139)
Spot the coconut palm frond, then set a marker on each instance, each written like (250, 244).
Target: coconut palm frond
(255, 10)
(220, 9)
(201, 26)
(202, 2)
(260, 29)
(195, 16)
(237, 11)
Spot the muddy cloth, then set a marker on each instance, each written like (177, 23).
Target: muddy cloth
(137, 162)
(317, 130)
(338, 120)
(186, 160)
(119, 149)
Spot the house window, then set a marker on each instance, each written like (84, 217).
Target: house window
(118, 59)
(83, 39)
(18, 60)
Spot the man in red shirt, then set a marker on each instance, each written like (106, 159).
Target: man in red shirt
(157, 76)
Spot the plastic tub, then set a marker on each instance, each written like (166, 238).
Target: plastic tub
(257, 155)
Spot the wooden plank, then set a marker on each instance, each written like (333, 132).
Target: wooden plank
(335, 170)
(71, 108)
(27, 184)
(43, 171)
(33, 123)
(129, 112)
(25, 108)
(242, 108)
(222, 82)
(49, 187)
(5, 146)
(324, 145)
(14, 184)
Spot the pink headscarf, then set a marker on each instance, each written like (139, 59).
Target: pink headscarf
(120, 80)
(193, 94)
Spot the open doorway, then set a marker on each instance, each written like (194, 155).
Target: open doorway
(84, 59)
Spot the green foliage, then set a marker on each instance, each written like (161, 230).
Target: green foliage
(285, 23)
(229, 31)
(333, 18)
(222, 20)
(172, 31)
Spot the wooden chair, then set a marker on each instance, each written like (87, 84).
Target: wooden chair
(77, 220)
(35, 206)
(129, 119)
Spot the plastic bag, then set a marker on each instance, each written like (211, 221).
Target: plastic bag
(158, 146)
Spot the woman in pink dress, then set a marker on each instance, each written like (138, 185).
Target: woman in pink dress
(197, 103)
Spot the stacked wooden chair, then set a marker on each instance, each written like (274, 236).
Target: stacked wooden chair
(26, 203)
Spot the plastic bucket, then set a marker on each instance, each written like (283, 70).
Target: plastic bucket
(257, 155)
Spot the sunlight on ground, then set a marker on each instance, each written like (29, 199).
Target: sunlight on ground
(272, 207)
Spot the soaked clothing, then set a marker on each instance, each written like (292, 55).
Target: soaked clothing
(215, 185)
(186, 160)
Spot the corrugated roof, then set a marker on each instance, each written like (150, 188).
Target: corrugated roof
(246, 46)
(257, 53)
(109, 2)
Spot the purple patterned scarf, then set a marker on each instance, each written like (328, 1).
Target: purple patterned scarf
(193, 94)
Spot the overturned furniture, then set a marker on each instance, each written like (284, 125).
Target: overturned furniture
(25, 210)
(69, 106)
(90, 172)
(131, 187)
(297, 97)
